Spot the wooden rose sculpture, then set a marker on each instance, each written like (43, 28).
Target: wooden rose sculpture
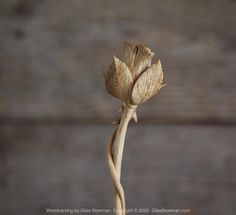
(133, 80)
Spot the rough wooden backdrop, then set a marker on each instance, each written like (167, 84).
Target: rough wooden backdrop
(55, 113)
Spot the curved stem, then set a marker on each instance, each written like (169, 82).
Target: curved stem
(116, 182)
(117, 152)
(119, 141)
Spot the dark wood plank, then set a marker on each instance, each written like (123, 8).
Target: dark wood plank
(53, 53)
(164, 167)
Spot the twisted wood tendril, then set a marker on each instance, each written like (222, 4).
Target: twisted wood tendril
(116, 182)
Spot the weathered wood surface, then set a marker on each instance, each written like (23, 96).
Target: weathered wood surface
(164, 166)
(53, 53)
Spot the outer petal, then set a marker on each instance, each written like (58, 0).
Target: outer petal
(142, 61)
(129, 53)
(118, 80)
(148, 84)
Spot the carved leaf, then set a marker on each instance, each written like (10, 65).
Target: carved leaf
(148, 84)
(118, 80)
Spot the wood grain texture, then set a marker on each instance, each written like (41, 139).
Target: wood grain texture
(53, 53)
(53, 100)
(164, 166)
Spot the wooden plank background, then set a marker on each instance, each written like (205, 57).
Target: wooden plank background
(55, 114)
(164, 167)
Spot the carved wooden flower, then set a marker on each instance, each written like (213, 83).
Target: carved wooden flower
(134, 80)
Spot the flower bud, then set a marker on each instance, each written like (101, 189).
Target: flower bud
(135, 80)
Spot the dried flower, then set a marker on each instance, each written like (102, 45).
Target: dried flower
(134, 80)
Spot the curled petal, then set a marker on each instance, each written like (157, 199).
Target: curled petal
(142, 60)
(148, 84)
(118, 80)
(129, 52)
